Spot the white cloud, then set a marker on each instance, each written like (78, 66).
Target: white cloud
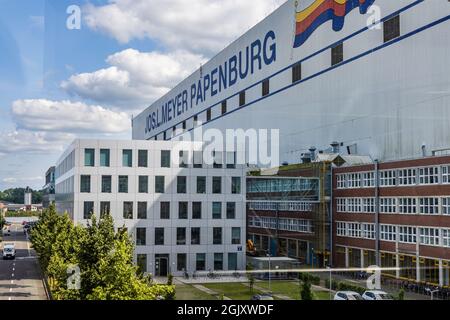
(68, 117)
(23, 141)
(16, 180)
(134, 79)
(197, 25)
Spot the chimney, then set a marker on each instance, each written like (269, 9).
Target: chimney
(312, 151)
(335, 147)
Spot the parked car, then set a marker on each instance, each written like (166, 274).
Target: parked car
(9, 251)
(376, 295)
(347, 295)
(261, 297)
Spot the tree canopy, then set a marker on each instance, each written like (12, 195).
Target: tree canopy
(17, 195)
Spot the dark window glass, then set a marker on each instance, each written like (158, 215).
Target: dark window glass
(224, 106)
(143, 158)
(88, 209)
(265, 87)
(195, 236)
(208, 115)
(235, 235)
(337, 54)
(127, 158)
(236, 185)
(231, 160)
(141, 262)
(159, 184)
(200, 264)
(391, 28)
(159, 236)
(123, 184)
(297, 72)
(217, 236)
(181, 184)
(181, 262)
(231, 210)
(106, 184)
(104, 157)
(218, 261)
(165, 159)
(89, 157)
(142, 210)
(232, 261)
(198, 159)
(143, 184)
(183, 160)
(195, 121)
(217, 185)
(128, 210)
(141, 236)
(85, 184)
(181, 236)
(184, 125)
(218, 160)
(242, 98)
(196, 210)
(105, 209)
(201, 185)
(217, 210)
(182, 210)
(165, 210)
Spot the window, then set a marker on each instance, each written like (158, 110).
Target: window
(128, 210)
(142, 210)
(142, 158)
(159, 236)
(141, 262)
(391, 28)
(217, 185)
(341, 229)
(165, 159)
(85, 184)
(184, 126)
(407, 205)
(265, 87)
(235, 235)
(89, 157)
(217, 210)
(368, 231)
(208, 115)
(123, 184)
(368, 179)
(200, 262)
(341, 181)
(127, 158)
(445, 238)
(354, 230)
(297, 72)
(236, 185)
(141, 236)
(165, 210)
(195, 236)
(242, 98)
(88, 209)
(429, 236)
(183, 210)
(196, 210)
(217, 236)
(354, 180)
(429, 205)
(198, 159)
(337, 54)
(407, 234)
(368, 205)
(231, 160)
(388, 232)
(231, 210)
(232, 261)
(106, 184)
(354, 205)
(181, 262)
(181, 236)
(218, 160)
(105, 209)
(446, 206)
(183, 160)
(388, 205)
(429, 175)
(388, 178)
(143, 184)
(159, 184)
(104, 158)
(341, 204)
(224, 106)
(446, 174)
(218, 261)
(407, 177)
(181, 184)
(195, 120)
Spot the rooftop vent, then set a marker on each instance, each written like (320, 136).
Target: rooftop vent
(335, 147)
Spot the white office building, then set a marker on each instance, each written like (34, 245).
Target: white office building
(183, 213)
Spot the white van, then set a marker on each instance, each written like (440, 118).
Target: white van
(9, 251)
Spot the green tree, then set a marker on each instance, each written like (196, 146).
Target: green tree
(306, 293)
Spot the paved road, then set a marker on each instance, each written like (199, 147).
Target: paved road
(20, 279)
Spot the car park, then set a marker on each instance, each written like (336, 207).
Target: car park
(376, 295)
(347, 295)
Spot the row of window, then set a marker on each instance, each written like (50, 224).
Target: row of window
(182, 239)
(281, 185)
(398, 177)
(160, 184)
(184, 159)
(200, 261)
(165, 210)
(393, 233)
(423, 205)
(295, 225)
(280, 206)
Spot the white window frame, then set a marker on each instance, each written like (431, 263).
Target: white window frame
(388, 205)
(429, 206)
(388, 232)
(368, 179)
(388, 178)
(445, 171)
(429, 175)
(429, 236)
(407, 234)
(407, 205)
(407, 177)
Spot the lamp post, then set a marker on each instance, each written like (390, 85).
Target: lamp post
(331, 286)
(270, 273)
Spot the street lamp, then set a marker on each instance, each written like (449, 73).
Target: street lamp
(270, 276)
(331, 286)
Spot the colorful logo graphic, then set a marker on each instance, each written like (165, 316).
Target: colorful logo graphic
(321, 11)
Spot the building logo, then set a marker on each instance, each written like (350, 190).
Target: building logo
(321, 11)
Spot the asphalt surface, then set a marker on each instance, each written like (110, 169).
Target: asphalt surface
(20, 279)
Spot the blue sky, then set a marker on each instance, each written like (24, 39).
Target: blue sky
(58, 84)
